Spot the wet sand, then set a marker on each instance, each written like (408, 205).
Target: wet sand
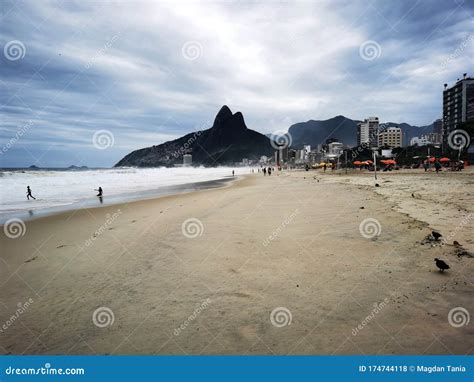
(131, 279)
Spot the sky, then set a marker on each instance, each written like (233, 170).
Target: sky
(86, 82)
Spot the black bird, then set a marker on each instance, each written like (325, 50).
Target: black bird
(441, 265)
(436, 235)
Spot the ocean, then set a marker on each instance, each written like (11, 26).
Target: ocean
(58, 190)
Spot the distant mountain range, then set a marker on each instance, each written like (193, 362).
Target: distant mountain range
(226, 142)
(344, 129)
(229, 141)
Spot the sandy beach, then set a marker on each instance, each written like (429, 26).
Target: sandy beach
(299, 263)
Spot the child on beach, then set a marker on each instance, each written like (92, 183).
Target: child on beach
(99, 190)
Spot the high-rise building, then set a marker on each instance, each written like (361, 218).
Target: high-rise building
(458, 105)
(367, 132)
(391, 137)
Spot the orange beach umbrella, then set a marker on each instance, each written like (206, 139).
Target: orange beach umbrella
(357, 163)
(445, 159)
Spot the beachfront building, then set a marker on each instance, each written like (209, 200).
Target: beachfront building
(427, 139)
(391, 137)
(458, 105)
(367, 132)
(335, 148)
(187, 160)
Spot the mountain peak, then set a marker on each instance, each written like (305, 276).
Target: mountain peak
(223, 114)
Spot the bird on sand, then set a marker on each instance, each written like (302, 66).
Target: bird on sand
(441, 265)
(436, 235)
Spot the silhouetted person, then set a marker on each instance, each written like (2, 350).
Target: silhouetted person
(269, 171)
(232, 172)
(324, 167)
(264, 171)
(99, 190)
(437, 166)
(28, 193)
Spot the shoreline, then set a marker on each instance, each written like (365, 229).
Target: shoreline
(284, 243)
(92, 203)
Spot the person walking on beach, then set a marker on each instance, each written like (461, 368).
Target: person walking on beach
(269, 171)
(324, 167)
(425, 165)
(99, 190)
(232, 172)
(28, 193)
(264, 171)
(437, 166)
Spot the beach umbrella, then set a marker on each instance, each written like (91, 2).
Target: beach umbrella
(369, 161)
(383, 161)
(445, 159)
(357, 163)
(390, 161)
(431, 159)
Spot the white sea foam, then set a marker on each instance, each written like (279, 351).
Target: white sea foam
(63, 188)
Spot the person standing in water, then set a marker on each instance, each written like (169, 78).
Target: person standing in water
(28, 193)
(99, 190)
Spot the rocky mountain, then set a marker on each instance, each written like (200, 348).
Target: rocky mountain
(316, 132)
(344, 129)
(226, 142)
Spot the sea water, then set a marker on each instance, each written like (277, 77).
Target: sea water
(59, 190)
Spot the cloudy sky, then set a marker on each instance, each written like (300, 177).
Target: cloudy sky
(85, 82)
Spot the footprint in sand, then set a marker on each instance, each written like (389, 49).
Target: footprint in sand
(29, 260)
(61, 246)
